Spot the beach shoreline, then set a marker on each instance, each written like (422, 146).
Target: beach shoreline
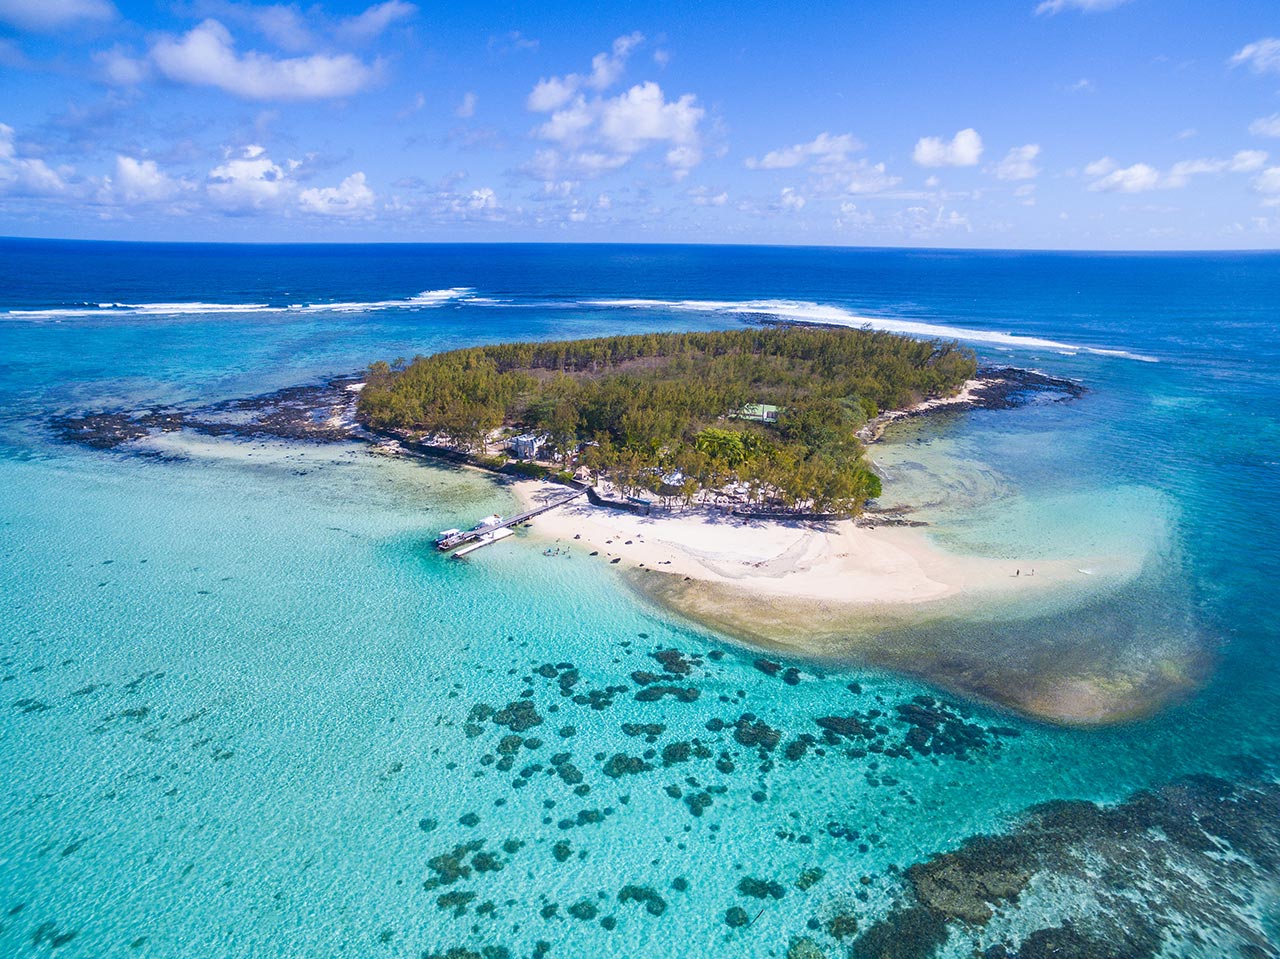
(837, 562)
(841, 595)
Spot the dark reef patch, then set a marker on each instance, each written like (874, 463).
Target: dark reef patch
(1126, 880)
(315, 412)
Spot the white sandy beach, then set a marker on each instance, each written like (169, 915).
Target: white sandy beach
(837, 563)
(841, 593)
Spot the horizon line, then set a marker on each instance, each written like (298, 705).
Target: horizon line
(651, 243)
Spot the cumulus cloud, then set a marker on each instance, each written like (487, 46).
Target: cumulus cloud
(482, 199)
(643, 115)
(1141, 177)
(467, 107)
(1051, 7)
(822, 149)
(1266, 126)
(248, 183)
(376, 19)
(1261, 56)
(49, 15)
(701, 196)
(790, 200)
(350, 198)
(26, 176)
(964, 149)
(594, 134)
(1246, 161)
(119, 69)
(142, 181)
(1268, 181)
(1131, 179)
(864, 177)
(206, 56)
(829, 159)
(1019, 163)
(1100, 167)
(606, 69)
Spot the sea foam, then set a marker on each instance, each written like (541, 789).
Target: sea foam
(805, 311)
(427, 298)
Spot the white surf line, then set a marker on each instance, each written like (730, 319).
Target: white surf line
(427, 298)
(804, 311)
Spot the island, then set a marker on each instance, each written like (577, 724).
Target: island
(729, 477)
(728, 480)
(761, 420)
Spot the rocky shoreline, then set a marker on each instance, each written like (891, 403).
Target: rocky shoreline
(320, 413)
(992, 388)
(326, 413)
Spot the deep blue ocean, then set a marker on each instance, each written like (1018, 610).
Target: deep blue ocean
(246, 710)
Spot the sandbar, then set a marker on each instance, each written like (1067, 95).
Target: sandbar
(890, 597)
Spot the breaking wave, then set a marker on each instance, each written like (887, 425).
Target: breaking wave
(427, 298)
(803, 311)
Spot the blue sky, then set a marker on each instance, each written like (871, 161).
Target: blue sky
(1069, 124)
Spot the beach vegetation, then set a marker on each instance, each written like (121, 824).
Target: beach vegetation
(658, 413)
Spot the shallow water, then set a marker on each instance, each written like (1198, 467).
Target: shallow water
(237, 684)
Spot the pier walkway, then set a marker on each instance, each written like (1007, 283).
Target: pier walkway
(446, 543)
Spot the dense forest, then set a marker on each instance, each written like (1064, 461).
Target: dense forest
(659, 411)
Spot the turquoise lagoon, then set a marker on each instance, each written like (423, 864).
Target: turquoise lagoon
(240, 689)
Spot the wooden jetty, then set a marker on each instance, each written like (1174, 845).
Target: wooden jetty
(484, 535)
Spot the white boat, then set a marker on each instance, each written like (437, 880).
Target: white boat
(493, 519)
(445, 536)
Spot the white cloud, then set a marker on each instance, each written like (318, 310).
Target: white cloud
(1142, 176)
(828, 156)
(482, 199)
(551, 93)
(1088, 6)
(22, 176)
(1083, 85)
(643, 115)
(1266, 126)
(1132, 179)
(606, 68)
(965, 149)
(142, 181)
(604, 133)
(121, 70)
(206, 56)
(701, 196)
(851, 216)
(467, 108)
(1183, 170)
(1100, 167)
(49, 15)
(864, 177)
(248, 183)
(789, 199)
(372, 22)
(351, 198)
(822, 149)
(1019, 163)
(1262, 56)
(1246, 161)
(1268, 181)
